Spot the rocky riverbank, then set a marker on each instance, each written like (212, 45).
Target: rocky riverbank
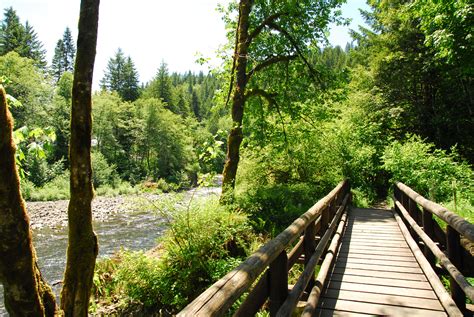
(53, 214)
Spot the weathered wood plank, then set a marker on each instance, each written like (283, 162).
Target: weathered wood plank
(375, 248)
(376, 267)
(378, 237)
(402, 301)
(337, 313)
(386, 274)
(377, 309)
(380, 289)
(369, 280)
(380, 257)
(388, 244)
(376, 252)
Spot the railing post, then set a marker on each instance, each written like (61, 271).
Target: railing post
(428, 228)
(413, 212)
(309, 244)
(453, 244)
(324, 219)
(278, 282)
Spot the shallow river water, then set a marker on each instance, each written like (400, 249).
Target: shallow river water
(136, 230)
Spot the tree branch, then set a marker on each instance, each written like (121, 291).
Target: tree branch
(270, 97)
(295, 45)
(262, 25)
(270, 61)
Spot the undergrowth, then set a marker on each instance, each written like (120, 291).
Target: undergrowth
(204, 242)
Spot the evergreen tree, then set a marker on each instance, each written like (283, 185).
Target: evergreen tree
(129, 90)
(163, 84)
(20, 38)
(58, 66)
(12, 32)
(122, 77)
(69, 50)
(33, 48)
(195, 105)
(64, 55)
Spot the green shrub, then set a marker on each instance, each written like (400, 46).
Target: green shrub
(434, 173)
(202, 243)
(103, 173)
(118, 188)
(272, 207)
(56, 189)
(39, 172)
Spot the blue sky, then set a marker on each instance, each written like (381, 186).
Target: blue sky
(148, 31)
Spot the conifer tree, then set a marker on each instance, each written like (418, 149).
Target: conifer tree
(12, 32)
(161, 87)
(64, 54)
(33, 48)
(69, 51)
(20, 38)
(121, 77)
(129, 90)
(58, 66)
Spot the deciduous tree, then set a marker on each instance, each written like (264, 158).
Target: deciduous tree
(26, 292)
(82, 244)
(267, 34)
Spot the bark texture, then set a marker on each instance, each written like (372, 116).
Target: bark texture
(26, 293)
(82, 245)
(238, 102)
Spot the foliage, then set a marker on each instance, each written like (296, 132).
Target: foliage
(56, 189)
(202, 244)
(417, 51)
(28, 85)
(32, 147)
(64, 56)
(447, 26)
(121, 77)
(102, 172)
(22, 39)
(432, 172)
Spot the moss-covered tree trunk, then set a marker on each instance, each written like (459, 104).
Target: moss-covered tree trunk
(238, 101)
(82, 245)
(26, 293)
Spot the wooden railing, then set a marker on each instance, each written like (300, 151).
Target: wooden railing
(264, 275)
(446, 246)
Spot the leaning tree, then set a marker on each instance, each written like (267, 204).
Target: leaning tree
(268, 34)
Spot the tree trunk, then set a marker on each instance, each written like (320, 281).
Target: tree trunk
(82, 245)
(238, 102)
(26, 293)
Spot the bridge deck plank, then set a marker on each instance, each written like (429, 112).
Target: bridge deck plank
(375, 272)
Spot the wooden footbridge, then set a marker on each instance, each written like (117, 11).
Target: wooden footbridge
(354, 262)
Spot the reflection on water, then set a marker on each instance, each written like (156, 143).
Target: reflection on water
(133, 231)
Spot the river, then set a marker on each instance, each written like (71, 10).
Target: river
(131, 229)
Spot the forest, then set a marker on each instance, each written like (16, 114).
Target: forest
(285, 119)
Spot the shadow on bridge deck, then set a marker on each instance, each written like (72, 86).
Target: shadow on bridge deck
(376, 273)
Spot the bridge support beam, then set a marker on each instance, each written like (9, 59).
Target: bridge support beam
(453, 241)
(278, 282)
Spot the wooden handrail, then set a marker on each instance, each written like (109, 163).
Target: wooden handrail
(217, 299)
(422, 225)
(460, 224)
(443, 259)
(300, 286)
